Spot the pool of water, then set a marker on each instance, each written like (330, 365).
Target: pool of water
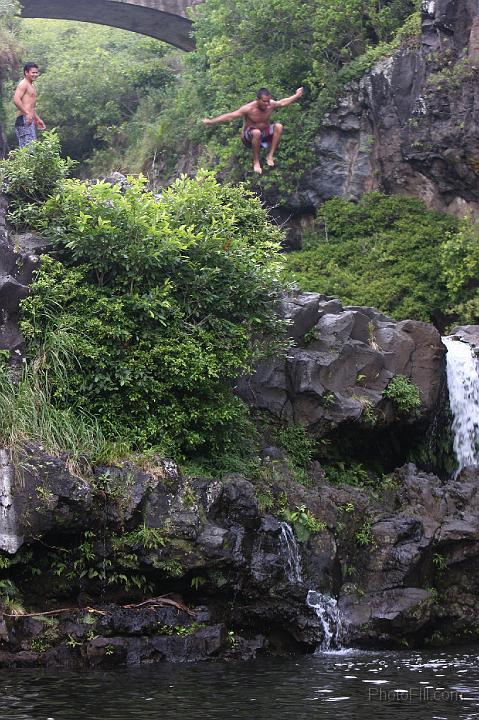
(348, 685)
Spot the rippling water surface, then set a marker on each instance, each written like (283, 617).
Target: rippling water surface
(347, 685)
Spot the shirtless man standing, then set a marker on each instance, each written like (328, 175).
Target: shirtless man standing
(25, 100)
(257, 130)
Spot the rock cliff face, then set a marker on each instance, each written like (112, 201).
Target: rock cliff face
(144, 565)
(410, 126)
(335, 378)
(19, 257)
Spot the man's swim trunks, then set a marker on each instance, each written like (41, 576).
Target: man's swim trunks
(266, 136)
(25, 133)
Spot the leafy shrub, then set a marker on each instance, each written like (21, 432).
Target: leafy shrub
(365, 535)
(381, 251)
(459, 255)
(164, 301)
(304, 523)
(299, 446)
(349, 474)
(404, 394)
(31, 174)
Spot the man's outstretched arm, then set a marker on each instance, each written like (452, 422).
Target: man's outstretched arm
(289, 100)
(227, 117)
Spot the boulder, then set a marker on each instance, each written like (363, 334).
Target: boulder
(342, 361)
(19, 258)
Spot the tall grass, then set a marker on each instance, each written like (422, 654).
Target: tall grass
(28, 412)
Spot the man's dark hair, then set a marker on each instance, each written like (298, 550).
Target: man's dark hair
(28, 66)
(263, 92)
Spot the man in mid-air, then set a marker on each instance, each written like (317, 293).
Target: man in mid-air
(257, 130)
(25, 100)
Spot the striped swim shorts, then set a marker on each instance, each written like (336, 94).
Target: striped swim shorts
(25, 133)
(266, 135)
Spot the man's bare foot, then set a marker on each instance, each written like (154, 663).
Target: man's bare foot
(270, 160)
(257, 168)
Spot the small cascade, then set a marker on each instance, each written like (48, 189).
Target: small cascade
(291, 555)
(463, 384)
(10, 541)
(326, 608)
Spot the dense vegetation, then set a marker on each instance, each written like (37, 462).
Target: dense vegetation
(93, 79)
(387, 252)
(9, 49)
(136, 285)
(143, 103)
(151, 307)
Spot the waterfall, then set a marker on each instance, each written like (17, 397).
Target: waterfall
(326, 608)
(10, 541)
(463, 383)
(291, 555)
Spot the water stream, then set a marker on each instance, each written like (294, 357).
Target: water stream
(325, 607)
(290, 551)
(463, 384)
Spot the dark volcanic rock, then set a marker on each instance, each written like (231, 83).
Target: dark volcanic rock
(409, 126)
(19, 258)
(402, 566)
(422, 563)
(343, 361)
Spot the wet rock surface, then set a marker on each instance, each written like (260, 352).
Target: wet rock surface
(19, 258)
(213, 572)
(409, 127)
(342, 362)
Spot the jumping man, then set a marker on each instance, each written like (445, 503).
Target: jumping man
(257, 130)
(25, 100)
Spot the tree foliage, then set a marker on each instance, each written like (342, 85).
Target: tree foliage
(245, 44)
(459, 258)
(9, 49)
(155, 305)
(92, 79)
(382, 251)
(29, 178)
(108, 89)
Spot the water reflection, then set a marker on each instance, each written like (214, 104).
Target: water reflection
(343, 686)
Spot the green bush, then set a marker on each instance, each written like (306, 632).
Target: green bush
(31, 174)
(299, 446)
(459, 256)
(382, 251)
(404, 394)
(92, 79)
(163, 300)
(350, 473)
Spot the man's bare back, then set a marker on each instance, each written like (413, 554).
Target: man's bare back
(25, 100)
(257, 129)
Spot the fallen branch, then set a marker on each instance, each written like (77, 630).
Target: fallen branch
(161, 601)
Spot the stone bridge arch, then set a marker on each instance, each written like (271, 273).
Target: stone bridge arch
(162, 19)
